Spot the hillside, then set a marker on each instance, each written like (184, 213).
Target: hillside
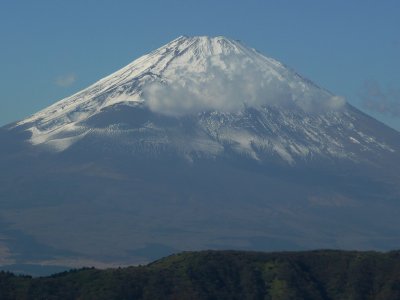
(321, 274)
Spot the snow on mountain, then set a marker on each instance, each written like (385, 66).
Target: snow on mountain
(237, 98)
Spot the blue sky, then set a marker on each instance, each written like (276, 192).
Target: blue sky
(51, 49)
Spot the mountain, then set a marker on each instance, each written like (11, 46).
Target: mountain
(225, 275)
(211, 80)
(203, 143)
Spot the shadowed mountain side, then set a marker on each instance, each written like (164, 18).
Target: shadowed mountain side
(89, 203)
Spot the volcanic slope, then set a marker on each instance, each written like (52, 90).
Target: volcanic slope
(203, 143)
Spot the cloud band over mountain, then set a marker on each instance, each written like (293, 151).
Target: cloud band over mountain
(230, 82)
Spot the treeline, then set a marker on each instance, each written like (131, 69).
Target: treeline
(225, 275)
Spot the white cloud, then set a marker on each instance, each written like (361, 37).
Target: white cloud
(65, 80)
(230, 82)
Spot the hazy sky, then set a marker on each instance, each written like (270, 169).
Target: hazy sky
(50, 49)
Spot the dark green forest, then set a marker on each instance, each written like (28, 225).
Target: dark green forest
(324, 274)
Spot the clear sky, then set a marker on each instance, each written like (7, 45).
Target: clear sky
(50, 49)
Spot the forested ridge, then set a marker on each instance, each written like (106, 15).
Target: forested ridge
(323, 274)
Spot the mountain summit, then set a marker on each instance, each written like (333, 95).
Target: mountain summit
(237, 97)
(193, 64)
(203, 143)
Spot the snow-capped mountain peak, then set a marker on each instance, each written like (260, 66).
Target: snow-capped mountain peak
(199, 60)
(237, 97)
